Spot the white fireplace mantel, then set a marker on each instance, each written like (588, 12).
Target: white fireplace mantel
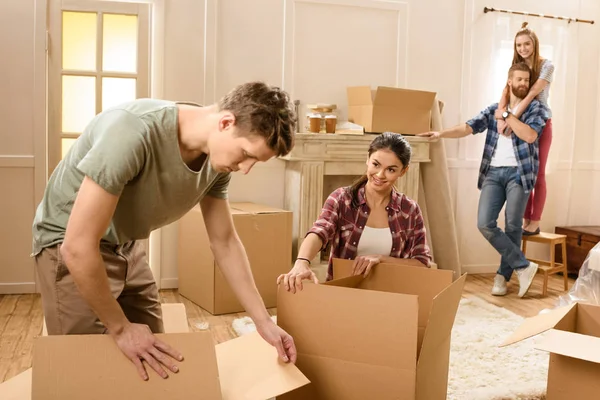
(318, 159)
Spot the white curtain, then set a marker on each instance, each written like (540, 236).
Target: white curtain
(491, 56)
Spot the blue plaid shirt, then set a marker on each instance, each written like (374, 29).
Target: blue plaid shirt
(527, 155)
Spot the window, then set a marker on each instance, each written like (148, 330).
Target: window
(98, 58)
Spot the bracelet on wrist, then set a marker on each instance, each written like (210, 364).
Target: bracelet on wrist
(303, 259)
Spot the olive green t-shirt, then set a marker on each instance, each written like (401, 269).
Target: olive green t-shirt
(131, 150)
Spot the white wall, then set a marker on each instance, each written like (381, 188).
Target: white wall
(313, 49)
(22, 137)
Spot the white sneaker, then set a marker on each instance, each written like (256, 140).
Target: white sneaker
(499, 288)
(526, 276)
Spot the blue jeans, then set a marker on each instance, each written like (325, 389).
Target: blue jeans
(502, 185)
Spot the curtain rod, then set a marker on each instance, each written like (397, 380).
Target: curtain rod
(491, 9)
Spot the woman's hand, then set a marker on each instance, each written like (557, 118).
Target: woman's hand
(503, 128)
(498, 113)
(364, 264)
(292, 281)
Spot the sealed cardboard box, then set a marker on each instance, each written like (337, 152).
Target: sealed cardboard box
(572, 337)
(390, 109)
(386, 336)
(91, 367)
(266, 234)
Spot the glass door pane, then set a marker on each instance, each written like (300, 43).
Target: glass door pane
(78, 102)
(79, 40)
(119, 41)
(117, 90)
(67, 143)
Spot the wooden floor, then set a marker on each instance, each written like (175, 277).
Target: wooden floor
(21, 316)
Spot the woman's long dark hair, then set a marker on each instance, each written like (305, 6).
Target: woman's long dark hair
(386, 141)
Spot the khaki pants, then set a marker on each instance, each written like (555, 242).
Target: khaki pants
(131, 283)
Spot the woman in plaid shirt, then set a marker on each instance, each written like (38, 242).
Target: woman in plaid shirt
(369, 222)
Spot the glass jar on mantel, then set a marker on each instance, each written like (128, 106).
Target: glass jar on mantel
(321, 118)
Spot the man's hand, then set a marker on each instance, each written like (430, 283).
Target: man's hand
(292, 281)
(278, 338)
(432, 134)
(364, 264)
(138, 343)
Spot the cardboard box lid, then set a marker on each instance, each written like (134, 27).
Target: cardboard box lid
(359, 95)
(407, 99)
(540, 323)
(250, 368)
(246, 365)
(570, 344)
(17, 388)
(442, 315)
(254, 208)
(390, 96)
(174, 318)
(93, 367)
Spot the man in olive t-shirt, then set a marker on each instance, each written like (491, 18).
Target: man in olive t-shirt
(135, 168)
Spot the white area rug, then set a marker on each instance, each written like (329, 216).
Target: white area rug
(479, 369)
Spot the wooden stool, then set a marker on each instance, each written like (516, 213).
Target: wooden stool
(549, 267)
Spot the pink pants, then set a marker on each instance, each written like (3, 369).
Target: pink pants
(537, 197)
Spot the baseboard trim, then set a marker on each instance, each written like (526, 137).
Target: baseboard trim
(475, 269)
(169, 283)
(17, 288)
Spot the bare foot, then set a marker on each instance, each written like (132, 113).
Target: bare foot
(533, 226)
(526, 223)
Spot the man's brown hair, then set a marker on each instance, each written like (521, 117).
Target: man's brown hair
(520, 66)
(263, 110)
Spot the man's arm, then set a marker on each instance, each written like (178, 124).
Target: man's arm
(231, 256)
(521, 129)
(475, 125)
(456, 132)
(233, 261)
(91, 214)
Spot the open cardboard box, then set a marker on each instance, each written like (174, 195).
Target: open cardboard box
(91, 367)
(572, 337)
(386, 336)
(403, 111)
(265, 232)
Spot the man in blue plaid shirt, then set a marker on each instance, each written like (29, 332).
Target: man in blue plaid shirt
(508, 171)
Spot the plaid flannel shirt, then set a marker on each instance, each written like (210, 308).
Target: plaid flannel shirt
(342, 224)
(527, 154)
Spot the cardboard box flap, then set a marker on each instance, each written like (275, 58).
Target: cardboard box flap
(174, 318)
(68, 366)
(574, 345)
(348, 281)
(334, 322)
(442, 315)
(359, 96)
(404, 98)
(17, 387)
(398, 278)
(249, 368)
(538, 324)
(253, 208)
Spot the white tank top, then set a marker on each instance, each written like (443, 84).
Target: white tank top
(375, 241)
